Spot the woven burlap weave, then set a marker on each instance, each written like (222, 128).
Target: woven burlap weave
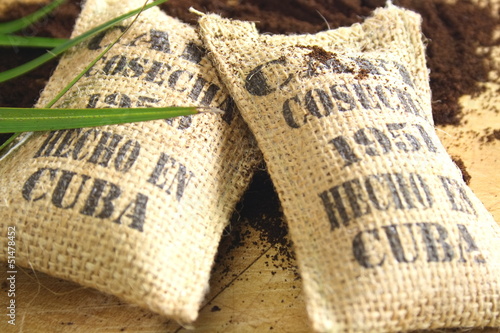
(387, 234)
(134, 210)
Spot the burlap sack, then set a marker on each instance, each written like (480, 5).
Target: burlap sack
(387, 235)
(134, 210)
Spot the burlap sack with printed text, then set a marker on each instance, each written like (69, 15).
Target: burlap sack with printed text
(134, 210)
(387, 235)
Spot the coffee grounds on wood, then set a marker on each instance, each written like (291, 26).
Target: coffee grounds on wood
(490, 135)
(461, 165)
(266, 217)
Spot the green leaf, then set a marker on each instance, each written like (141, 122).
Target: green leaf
(40, 42)
(23, 22)
(8, 141)
(29, 119)
(29, 66)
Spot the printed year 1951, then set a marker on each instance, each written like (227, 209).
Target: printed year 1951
(371, 141)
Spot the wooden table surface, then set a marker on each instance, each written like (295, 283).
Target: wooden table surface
(248, 293)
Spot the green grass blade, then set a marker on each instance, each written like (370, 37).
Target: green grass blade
(39, 42)
(9, 140)
(20, 70)
(14, 142)
(32, 120)
(23, 22)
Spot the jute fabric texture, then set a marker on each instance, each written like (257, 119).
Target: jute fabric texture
(387, 234)
(134, 210)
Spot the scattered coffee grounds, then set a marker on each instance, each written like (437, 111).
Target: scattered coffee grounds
(260, 210)
(266, 216)
(461, 165)
(255, 209)
(215, 308)
(491, 135)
